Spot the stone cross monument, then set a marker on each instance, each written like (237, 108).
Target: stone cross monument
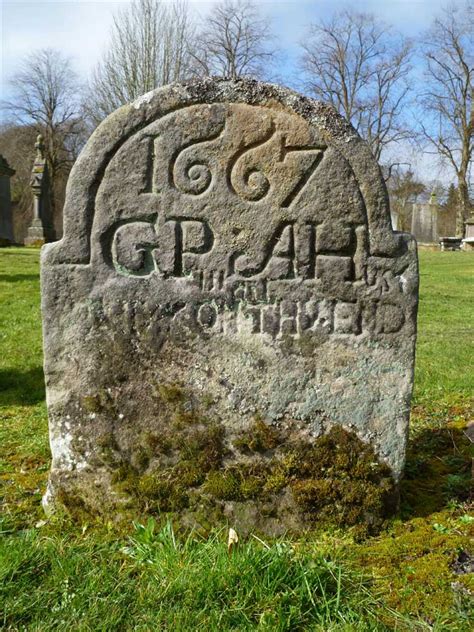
(6, 220)
(229, 320)
(38, 230)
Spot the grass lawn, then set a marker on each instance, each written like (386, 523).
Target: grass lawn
(55, 575)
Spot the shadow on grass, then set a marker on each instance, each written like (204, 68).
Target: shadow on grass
(14, 278)
(21, 387)
(437, 471)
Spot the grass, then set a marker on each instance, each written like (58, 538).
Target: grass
(444, 361)
(156, 581)
(55, 575)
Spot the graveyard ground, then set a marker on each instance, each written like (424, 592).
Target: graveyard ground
(413, 576)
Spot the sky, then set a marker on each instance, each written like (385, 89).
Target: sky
(80, 29)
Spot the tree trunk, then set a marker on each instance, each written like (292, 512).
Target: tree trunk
(463, 210)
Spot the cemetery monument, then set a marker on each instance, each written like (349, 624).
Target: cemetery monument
(229, 320)
(41, 228)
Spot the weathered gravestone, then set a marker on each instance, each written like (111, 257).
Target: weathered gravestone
(228, 291)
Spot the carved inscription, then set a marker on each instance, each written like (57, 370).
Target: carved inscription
(243, 296)
(248, 169)
(290, 253)
(246, 173)
(189, 168)
(244, 285)
(134, 246)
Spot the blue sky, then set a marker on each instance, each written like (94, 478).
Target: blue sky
(80, 28)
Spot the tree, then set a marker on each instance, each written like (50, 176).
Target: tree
(447, 218)
(361, 66)
(233, 42)
(45, 95)
(149, 47)
(448, 118)
(404, 190)
(452, 199)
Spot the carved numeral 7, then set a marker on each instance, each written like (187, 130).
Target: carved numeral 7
(306, 175)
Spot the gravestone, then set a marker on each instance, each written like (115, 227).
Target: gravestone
(468, 241)
(6, 222)
(228, 293)
(424, 221)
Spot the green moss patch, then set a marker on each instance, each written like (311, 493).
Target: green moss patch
(260, 437)
(423, 554)
(337, 480)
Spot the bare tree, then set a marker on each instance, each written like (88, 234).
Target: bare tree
(233, 42)
(447, 98)
(149, 47)
(45, 95)
(361, 66)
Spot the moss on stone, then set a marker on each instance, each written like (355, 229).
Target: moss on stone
(204, 446)
(336, 479)
(73, 503)
(237, 482)
(96, 402)
(189, 474)
(222, 485)
(156, 444)
(339, 480)
(168, 494)
(181, 419)
(171, 393)
(165, 466)
(260, 437)
(207, 400)
(108, 456)
(125, 478)
(140, 458)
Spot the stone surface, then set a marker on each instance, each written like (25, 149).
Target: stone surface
(228, 285)
(6, 221)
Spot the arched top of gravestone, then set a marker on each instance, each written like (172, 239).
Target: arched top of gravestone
(320, 121)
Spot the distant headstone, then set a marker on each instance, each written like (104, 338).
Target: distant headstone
(41, 229)
(424, 221)
(468, 241)
(228, 313)
(6, 221)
